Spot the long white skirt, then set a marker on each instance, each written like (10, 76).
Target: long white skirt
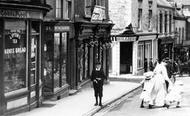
(158, 92)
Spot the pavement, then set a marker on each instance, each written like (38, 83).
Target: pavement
(82, 103)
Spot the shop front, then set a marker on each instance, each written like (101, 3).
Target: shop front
(20, 59)
(132, 53)
(166, 48)
(56, 59)
(92, 45)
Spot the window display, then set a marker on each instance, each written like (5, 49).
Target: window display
(33, 56)
(15, 55)
(55, 60)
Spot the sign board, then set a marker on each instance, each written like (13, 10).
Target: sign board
(20, 14)
(129, 39)
(98, 14)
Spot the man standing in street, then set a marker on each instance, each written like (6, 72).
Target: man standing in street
(97, 78)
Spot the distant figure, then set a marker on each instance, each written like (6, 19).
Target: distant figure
(98, 78)
(151, 67)
(145, 65)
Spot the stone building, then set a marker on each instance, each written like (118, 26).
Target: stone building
(21, 24)
(134, 35)
(77, 35)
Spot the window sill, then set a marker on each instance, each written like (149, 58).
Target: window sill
(16, 93)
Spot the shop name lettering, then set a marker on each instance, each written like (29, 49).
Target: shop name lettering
(11, 13)
(15, 50)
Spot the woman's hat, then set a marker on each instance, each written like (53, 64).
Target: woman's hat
(148, 75)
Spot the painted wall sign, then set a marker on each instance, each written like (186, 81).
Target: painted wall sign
(61, 28)
(126, 38)
(13, 13)
(20, 14)
(15, 50)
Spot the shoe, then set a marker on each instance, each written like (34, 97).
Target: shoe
(150, 106)
(178, 106)
(141, 106)
(166, 105)
(100, 104)
(95, 104)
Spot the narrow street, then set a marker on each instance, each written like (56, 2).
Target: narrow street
(129, 106)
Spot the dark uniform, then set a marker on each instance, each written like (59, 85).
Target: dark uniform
(97, 78)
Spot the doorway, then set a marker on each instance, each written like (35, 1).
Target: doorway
(126, 55)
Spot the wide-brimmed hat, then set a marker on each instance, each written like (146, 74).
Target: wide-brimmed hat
(148, 75)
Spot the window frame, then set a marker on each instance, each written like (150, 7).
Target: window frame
(140, 11)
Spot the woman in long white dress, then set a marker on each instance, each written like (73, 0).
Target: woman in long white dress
(159, 91)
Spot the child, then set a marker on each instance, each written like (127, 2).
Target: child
(175, 94)
(146, 85)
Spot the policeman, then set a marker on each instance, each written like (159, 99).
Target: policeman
(97, 78)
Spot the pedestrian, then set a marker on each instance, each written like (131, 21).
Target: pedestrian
(151, 67)
(145, 65)
(175, 94)
(98, 78)
(159, 91)
(170, 71)
(146, 85)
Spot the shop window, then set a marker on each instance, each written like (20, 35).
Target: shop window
(148, 52)
(140, 58)
(63, 57)
(55, 60)
(56, 67)
(33, 56)
(15, 55)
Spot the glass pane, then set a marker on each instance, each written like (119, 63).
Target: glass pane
(34, 38)
(56, 70)
(48, 66)
(64, 57)
(15, 55)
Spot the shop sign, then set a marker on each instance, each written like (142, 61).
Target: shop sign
(98, 14)
(61, 28)
(14, 36)
(13, 13)
(15, 50)
(126, 38)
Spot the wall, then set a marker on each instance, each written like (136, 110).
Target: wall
(120, 14)
(180, 24)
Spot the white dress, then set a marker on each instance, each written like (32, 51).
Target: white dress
(158, 92)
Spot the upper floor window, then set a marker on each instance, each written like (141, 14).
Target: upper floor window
(183, 33)
(63, 9)
(88, 8)
(161, 24)
(170, 23)
(166, 20)
(139, 19)
(149, 20)
(100, 2)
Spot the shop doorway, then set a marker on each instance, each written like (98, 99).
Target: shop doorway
(126, 49)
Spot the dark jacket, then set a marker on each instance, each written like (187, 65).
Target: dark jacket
(98, 76)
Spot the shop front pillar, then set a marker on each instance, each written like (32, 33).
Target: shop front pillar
(2, 97)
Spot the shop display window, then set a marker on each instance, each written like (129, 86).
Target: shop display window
(33, 57)
(55, 61)
(15, 55)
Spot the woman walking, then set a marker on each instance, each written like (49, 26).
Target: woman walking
(159, 90)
